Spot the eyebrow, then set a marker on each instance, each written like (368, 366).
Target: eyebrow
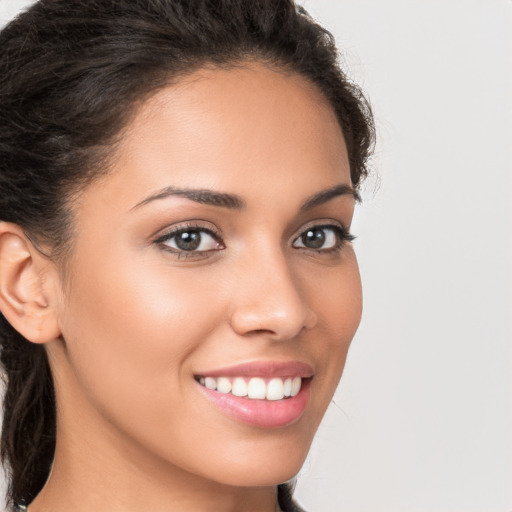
(232, 201)
(326, 195)
(202, 196)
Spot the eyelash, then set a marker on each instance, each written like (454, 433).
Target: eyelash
(342, 237)
(187, 228)
(341, 234)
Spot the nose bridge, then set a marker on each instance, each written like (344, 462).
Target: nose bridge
(270, 299)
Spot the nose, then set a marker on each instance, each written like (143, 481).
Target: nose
(269, 300)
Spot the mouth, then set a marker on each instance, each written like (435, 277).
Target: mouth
(254, 388)
(265, 395)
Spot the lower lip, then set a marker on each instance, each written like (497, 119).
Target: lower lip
(262, 413)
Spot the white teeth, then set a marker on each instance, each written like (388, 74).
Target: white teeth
(255, 388)
(223, 385)
(210, 383)
(288, 387)
(239, 387)
(296, 383)
(275, 389)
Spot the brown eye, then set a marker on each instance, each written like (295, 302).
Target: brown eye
(313, 238)
(190, 240)
(321, 238)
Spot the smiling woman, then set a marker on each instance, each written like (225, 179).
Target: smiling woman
(177, 284)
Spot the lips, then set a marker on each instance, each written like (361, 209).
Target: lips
(263, 369)
(271, 394)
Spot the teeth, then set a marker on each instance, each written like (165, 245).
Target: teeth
(255, 388)
(223, 385)
(296, 383)
(275, 390)
(288, 387)
(210, 383)
(239, 387)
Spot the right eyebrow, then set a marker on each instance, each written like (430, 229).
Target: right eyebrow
(201, 195)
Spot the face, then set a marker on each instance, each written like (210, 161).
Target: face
(213, 292)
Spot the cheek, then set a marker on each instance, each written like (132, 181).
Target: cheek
(335, 295)
(131, 335)
(132, 328)
(337, 301)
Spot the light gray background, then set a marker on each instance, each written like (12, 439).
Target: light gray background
(422, 421)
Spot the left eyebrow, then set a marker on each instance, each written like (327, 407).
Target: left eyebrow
(326, 195)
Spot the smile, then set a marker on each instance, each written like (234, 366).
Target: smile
(255, 388)
(261, 394)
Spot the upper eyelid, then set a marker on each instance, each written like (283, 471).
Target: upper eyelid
(320, 223)
(174, 229)
(339, 229)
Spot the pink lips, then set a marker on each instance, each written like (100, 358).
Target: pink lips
(262, 413)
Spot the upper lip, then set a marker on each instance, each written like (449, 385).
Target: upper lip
(263, 369)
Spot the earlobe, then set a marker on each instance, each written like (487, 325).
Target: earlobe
(24, 299)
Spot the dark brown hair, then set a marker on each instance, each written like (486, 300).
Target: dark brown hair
(72, 72)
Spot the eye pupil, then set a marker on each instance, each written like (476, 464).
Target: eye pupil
(188, 240)
(313, 238)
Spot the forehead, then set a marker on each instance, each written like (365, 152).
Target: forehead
(247, 130)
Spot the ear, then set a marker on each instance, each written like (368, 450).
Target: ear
(27, 297)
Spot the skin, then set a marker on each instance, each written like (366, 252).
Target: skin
(136, 321)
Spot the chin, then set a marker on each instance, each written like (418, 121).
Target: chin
(263, 466)
(264, 475)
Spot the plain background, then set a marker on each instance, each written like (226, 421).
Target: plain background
(422, 420)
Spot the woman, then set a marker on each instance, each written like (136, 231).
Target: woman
(177, 285)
